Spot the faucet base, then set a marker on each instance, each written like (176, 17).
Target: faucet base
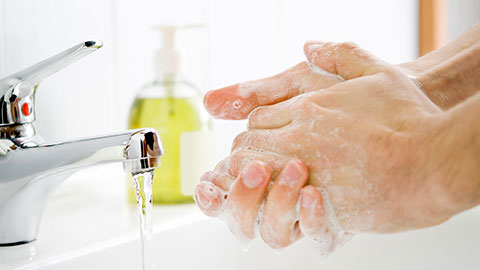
(32, 173)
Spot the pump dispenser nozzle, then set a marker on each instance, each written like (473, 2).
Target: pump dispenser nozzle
(167, 58)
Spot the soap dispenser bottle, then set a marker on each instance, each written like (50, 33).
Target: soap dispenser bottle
(173, 106)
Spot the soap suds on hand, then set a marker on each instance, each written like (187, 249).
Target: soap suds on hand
(237, 104)
(320, 71)
(332, 237)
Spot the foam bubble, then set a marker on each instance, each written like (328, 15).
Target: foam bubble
(258, 218)
(324, 243)
(266, 89)
(246, 89)
(244, 241)
(233, 223)
(237, 104)
(320, 71)
(250, 148)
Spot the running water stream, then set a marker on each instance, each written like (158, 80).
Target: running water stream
(142, 183)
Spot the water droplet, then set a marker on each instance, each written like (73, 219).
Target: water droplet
(237, 104)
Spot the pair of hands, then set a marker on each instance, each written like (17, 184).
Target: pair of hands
(344, 128)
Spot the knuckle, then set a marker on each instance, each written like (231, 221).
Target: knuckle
(302, 105)
(255, 116)
(329, 45)
(240, 140)
(254, 113)
(222, 166)
(349, 45)
(238, 160)
(301, 101)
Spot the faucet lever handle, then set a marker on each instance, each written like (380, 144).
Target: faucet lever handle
(17, 91)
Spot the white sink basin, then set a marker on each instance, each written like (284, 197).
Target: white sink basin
(89, 225)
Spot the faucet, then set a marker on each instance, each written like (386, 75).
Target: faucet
(31, 169)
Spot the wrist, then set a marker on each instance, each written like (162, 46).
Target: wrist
(430, 199)
(462, 144)
(447, 81)
(449, 162)
(428, 76)
(424, 74)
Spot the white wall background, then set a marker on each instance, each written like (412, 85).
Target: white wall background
(243, 40)
(461, 15)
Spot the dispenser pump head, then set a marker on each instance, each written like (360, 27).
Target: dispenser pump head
(167, 58)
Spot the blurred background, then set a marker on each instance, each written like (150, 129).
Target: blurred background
(240, 40)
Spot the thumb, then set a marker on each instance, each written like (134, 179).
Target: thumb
(345, 59)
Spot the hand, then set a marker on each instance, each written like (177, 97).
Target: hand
(359, 140)
(286, 216)
(237, 101)
(337, 130)
(447, 76)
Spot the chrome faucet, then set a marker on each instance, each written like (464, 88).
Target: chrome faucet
(31, 169)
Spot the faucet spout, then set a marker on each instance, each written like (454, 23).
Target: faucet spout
(30, 174)
(30, 169)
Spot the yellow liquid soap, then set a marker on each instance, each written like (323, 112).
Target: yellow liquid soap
(170, 116)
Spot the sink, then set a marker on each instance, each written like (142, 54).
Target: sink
(89, 225)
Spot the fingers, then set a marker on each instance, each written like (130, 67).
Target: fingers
(283, 114)
(209, 199)
(316, 222)
(261, 139)
(237, 101)
(270, 117)
(345, 59)
(219, 179)
(312, 211)
(245, 198)
(279, 226)
(242, 157)
(213, 191)
(284, 221)
(224, 174)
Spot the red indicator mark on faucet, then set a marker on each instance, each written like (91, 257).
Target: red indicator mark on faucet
(26, 109)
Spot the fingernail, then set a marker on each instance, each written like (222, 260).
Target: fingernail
(204, 195)
(291, 174)
(253, 175)
(307, 200)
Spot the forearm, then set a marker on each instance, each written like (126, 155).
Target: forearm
(450, 74)
(454, 80)
(458, 144)
(443, 54)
